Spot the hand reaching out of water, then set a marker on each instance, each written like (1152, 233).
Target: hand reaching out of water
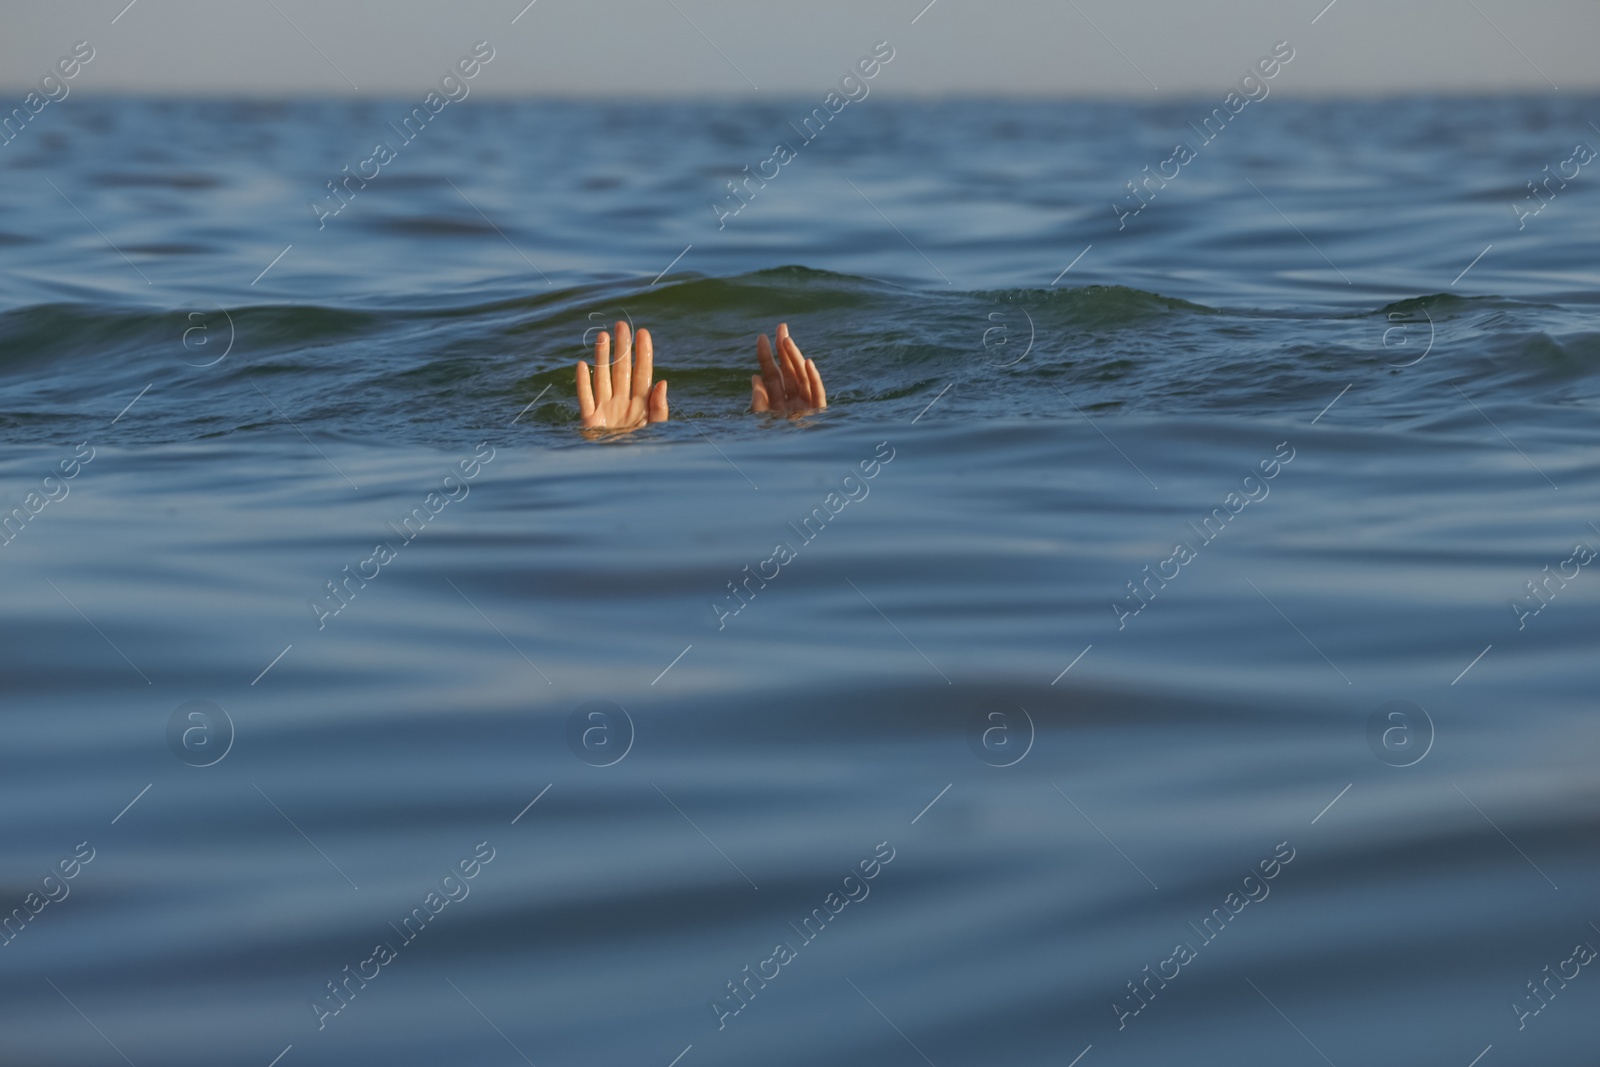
(789, 384)
(621, 397)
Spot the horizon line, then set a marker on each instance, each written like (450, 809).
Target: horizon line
(213, 94)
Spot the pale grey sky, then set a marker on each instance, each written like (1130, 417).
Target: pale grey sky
(1139, 49)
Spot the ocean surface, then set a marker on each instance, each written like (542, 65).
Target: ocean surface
(1174, 644)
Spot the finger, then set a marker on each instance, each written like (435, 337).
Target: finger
(658, 403)
(585, 392)
(776, 393)
(622, 365)
(758, 394)
(643, 364)
(794, 388)
(819, 398)
(786, 340)
(794, 370)
(602, 367)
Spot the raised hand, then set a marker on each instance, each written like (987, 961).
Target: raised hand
(621, 397)
(789, 384)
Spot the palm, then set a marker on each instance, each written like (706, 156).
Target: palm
(621, 396)
(789, 384)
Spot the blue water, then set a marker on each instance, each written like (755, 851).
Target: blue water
(1161, 521)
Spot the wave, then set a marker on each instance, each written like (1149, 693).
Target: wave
(435, 368)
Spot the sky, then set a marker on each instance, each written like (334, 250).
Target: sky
(1133, 49)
